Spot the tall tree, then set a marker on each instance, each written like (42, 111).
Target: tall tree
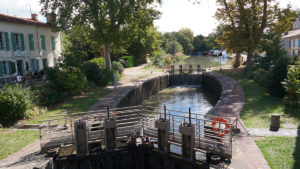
(112, 20)
(188, 33)
(245, 22)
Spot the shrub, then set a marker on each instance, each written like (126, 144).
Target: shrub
(124, 63)
(278, 74)
(292, 83)
(99, 61)
(262, 77)
(158, 59)
(48, 97)
(14, 104)
(132, 61)
(117, 66)
(97, 75)
(66, 79)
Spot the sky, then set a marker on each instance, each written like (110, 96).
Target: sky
(176, 14)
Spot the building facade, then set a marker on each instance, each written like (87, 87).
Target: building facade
(27, 45)
(291, 40)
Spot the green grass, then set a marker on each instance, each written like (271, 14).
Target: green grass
(76, 104)
(259, 105)
(12, 142)
(281, 152)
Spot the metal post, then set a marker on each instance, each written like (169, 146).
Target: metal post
(180, 69)
(107, 111)
(165, 112)
(190, 119)
(172, 70)
(115, 80)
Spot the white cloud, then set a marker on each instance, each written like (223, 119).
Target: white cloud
(21, 8)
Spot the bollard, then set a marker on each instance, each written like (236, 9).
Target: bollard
(190, 69)
(110, 131)
(115, 80)
(163, 128)
(81, 138)
(198, 68)
(172, 70)
(275, 122)
(187, 139)
(180, 69)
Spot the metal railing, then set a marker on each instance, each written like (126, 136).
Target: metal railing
(137, 120)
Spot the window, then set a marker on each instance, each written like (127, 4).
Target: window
(45, 63)
(27, 66)
(35, 66)
(294, 43)
(5, 68)
(12, 67)
(17, 41)
(2, 41)
(31, 42)
(43, 42)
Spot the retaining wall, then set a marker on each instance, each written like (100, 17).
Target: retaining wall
(227, 92)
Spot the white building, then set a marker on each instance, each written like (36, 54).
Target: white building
(291, 41)
(27, 45)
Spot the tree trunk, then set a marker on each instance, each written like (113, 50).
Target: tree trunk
(250, 54)
(237, 61)
(107, 56)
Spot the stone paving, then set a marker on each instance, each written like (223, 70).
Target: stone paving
(262, 132)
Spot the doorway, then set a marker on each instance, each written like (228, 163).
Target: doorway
(20, 67)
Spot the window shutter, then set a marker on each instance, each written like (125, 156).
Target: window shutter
(1, 69)
(53, 43)
(9, 68)
(43, 42)
(22, 42)
(13, 41)
(6, 44)
(37, 64)
(31, 42)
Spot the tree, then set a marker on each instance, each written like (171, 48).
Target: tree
(188, 33)
(113, 22)
(184, 41)
(245, 22)
(146, 42)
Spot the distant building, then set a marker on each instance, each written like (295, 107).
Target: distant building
(27, 45)
(291, 41)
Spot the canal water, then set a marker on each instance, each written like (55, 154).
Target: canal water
(181, 98)
(206, 61)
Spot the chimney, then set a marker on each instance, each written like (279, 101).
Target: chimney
(34, 17)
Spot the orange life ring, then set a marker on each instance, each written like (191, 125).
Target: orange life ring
(221, 126)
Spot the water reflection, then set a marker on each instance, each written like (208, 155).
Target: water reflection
(180, 98)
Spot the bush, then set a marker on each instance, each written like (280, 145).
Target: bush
(97, 75)
(132, 61)
(14, 104)
(66, 79)
(124, 63)
(117, 66)
(292, 82)
(278, 74)
(262, 77)
(99, 61)
(158, 59)
(48, 97)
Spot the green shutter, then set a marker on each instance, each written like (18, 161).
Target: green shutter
(53, 43)
(13, 41)
(31, 42)
(7, 45)
(43, 42)
(9, 68)
(1, 69)
(37, 65)
(54, 62)
(22, 42)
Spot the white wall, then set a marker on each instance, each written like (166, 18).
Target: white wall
(37, 31)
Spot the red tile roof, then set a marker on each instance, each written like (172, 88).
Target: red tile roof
(15, 19)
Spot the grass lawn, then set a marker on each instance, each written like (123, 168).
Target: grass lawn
(281, 152)
(13, 140)
(259, 105)
(76, 104)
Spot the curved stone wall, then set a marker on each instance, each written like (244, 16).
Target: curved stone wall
(228, 92)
